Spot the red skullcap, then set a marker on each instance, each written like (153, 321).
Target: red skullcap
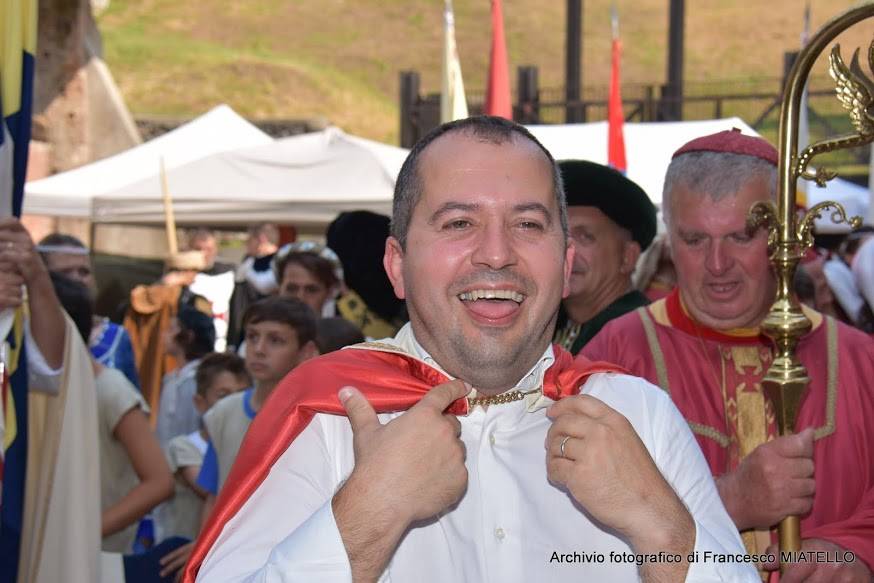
(731, 142)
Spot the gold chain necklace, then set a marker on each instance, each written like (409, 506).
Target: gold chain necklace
(500, 399)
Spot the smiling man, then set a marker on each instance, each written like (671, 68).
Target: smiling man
(467, 448)
(611, 221)
(702, 344)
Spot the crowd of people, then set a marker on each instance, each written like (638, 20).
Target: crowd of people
(530, 369)
(207, 330)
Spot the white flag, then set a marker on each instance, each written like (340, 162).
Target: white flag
(453, 104)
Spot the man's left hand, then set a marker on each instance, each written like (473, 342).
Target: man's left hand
(609, 471)
(822, 572)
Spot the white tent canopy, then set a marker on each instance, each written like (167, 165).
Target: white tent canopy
(649, 147)
(223, 170)
(70, 194)
(305, 180)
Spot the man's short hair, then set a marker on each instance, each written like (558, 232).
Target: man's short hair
(497, 130)
(268, 230)
(216, 363)
(75, 298)
(319, 267)
(289, 311)
(199, 234)
(716, 174)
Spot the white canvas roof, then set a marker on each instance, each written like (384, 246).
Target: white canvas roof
(649, 147)
(70, 194)
(305, 180)
(223, 170)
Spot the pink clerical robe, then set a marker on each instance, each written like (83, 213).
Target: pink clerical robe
(715, 381)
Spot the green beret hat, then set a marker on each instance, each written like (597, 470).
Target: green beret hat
(590, 184)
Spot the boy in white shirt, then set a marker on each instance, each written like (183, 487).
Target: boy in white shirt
(218, 375)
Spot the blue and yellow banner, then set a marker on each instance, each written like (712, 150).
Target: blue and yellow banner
(18, 32)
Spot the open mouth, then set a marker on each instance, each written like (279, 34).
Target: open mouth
(723, 288)
(492, 306)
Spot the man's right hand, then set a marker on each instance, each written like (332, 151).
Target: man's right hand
(772, 482)
(415, 461)
(412, 468)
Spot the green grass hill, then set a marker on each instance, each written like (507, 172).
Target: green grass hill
(340, 59)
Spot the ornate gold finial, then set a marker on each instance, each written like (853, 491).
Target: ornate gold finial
(856, 93)
(764, 214)
(839, 215)
(854, 90)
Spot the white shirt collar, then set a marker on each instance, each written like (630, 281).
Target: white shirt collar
(531, 381)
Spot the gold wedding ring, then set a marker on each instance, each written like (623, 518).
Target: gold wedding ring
(563, 443)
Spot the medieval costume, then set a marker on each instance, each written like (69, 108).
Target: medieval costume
(715, 379)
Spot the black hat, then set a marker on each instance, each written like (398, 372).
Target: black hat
(358, 239)
(590, 184)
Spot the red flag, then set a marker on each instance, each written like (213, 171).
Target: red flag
(615, 116)
(498, 100)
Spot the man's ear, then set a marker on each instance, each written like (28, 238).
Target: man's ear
(630, 255)
(393, 261)
(568, 267)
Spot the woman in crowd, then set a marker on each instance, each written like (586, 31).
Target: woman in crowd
(134, 477)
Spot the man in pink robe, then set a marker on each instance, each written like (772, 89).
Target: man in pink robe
(702, 345)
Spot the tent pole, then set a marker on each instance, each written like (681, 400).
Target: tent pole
(169, 218)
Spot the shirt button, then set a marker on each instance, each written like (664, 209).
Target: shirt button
(499, 533)
(492, 438)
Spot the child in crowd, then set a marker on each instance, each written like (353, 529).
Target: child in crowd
(134, 477)
(218, 375)
(190, 336)
(279, 334)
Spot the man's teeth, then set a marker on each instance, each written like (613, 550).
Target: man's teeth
(722, 286)
(491, 294)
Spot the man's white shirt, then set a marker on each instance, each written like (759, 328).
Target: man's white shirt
(511, 524)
